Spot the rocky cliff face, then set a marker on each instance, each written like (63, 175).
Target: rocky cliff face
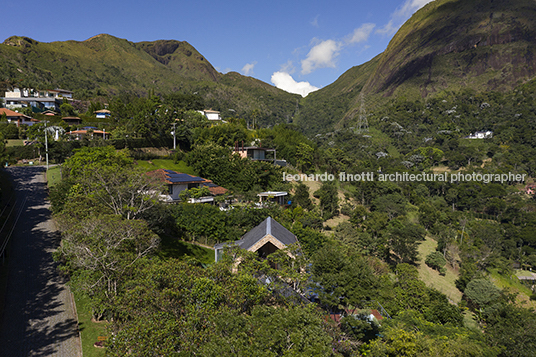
(450, 44)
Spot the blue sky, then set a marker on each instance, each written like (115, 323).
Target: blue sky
(296, 45)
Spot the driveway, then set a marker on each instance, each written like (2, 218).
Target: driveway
(39, 318)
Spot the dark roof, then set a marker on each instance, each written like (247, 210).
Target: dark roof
(268, 227)
(171, 177)
(178, 177)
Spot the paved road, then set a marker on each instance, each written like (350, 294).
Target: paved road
(39, 317)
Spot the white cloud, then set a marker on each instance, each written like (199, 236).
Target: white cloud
(321, 55)
(324, 53)
(360, 34)
(401, 14)
(247, 70)
(284, 81)
(314, 22)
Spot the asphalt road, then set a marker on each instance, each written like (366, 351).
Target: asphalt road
(39, 316)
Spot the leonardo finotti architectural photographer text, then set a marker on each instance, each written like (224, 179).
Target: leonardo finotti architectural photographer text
(408, 177)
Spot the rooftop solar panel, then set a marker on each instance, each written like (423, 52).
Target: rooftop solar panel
(176, 177)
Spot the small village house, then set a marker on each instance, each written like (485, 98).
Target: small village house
(178, 182)
(72, 120)
(278, 197)
(17, 118)
(264, 239)
(102, 114)
(88, 134)
(213, 116)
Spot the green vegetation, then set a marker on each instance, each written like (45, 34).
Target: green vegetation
(435, 257)
(14, 142)
(167, 164)
(53, 176)
(171, 247)
(90, 330)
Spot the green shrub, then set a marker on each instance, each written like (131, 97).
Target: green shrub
(435, 260)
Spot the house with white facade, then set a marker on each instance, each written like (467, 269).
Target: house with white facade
(484, 134)
(212, 115)
(49, 99)
(102, 114)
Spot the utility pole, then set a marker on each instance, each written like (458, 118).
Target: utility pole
(174, 136)
(362, 124)
(46, 143)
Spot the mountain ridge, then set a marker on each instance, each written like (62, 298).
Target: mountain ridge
(448, 45)
(106, 65)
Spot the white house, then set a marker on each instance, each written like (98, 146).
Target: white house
(102, 114)
(485, 134)
(212, 115)
(40, 99)
(278, 197)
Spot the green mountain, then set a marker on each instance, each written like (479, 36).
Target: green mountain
(448, 45)
(454, 44)
(106, 65)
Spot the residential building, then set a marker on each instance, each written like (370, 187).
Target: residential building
(278, 197)
(39, 100)
(102, 114)
(177, 182)
(485, 134)
(72, 120)
(17, 118)
(89, 134)
(264, 239)
(212, 115)
(258, 153)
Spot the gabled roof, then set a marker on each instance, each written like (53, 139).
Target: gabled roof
(268, 227)
(84, 132)
(173, 177)
(10, 113)
(211, 111)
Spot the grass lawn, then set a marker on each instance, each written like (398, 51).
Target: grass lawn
(89, 330)
(15, 142)
(53, 176)
(513, 285)
(431, 277)
(171, 247)
(165, 164)
(470, 320)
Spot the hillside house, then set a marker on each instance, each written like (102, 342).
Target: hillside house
(278, 197)
(258, 153)
(102, 114)
(264, 239)
(17, 118)
(255, 153)
(72, 120)
(177, 182)
(486, 134)
(88, 134)
(38, 100)
(212, 115)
